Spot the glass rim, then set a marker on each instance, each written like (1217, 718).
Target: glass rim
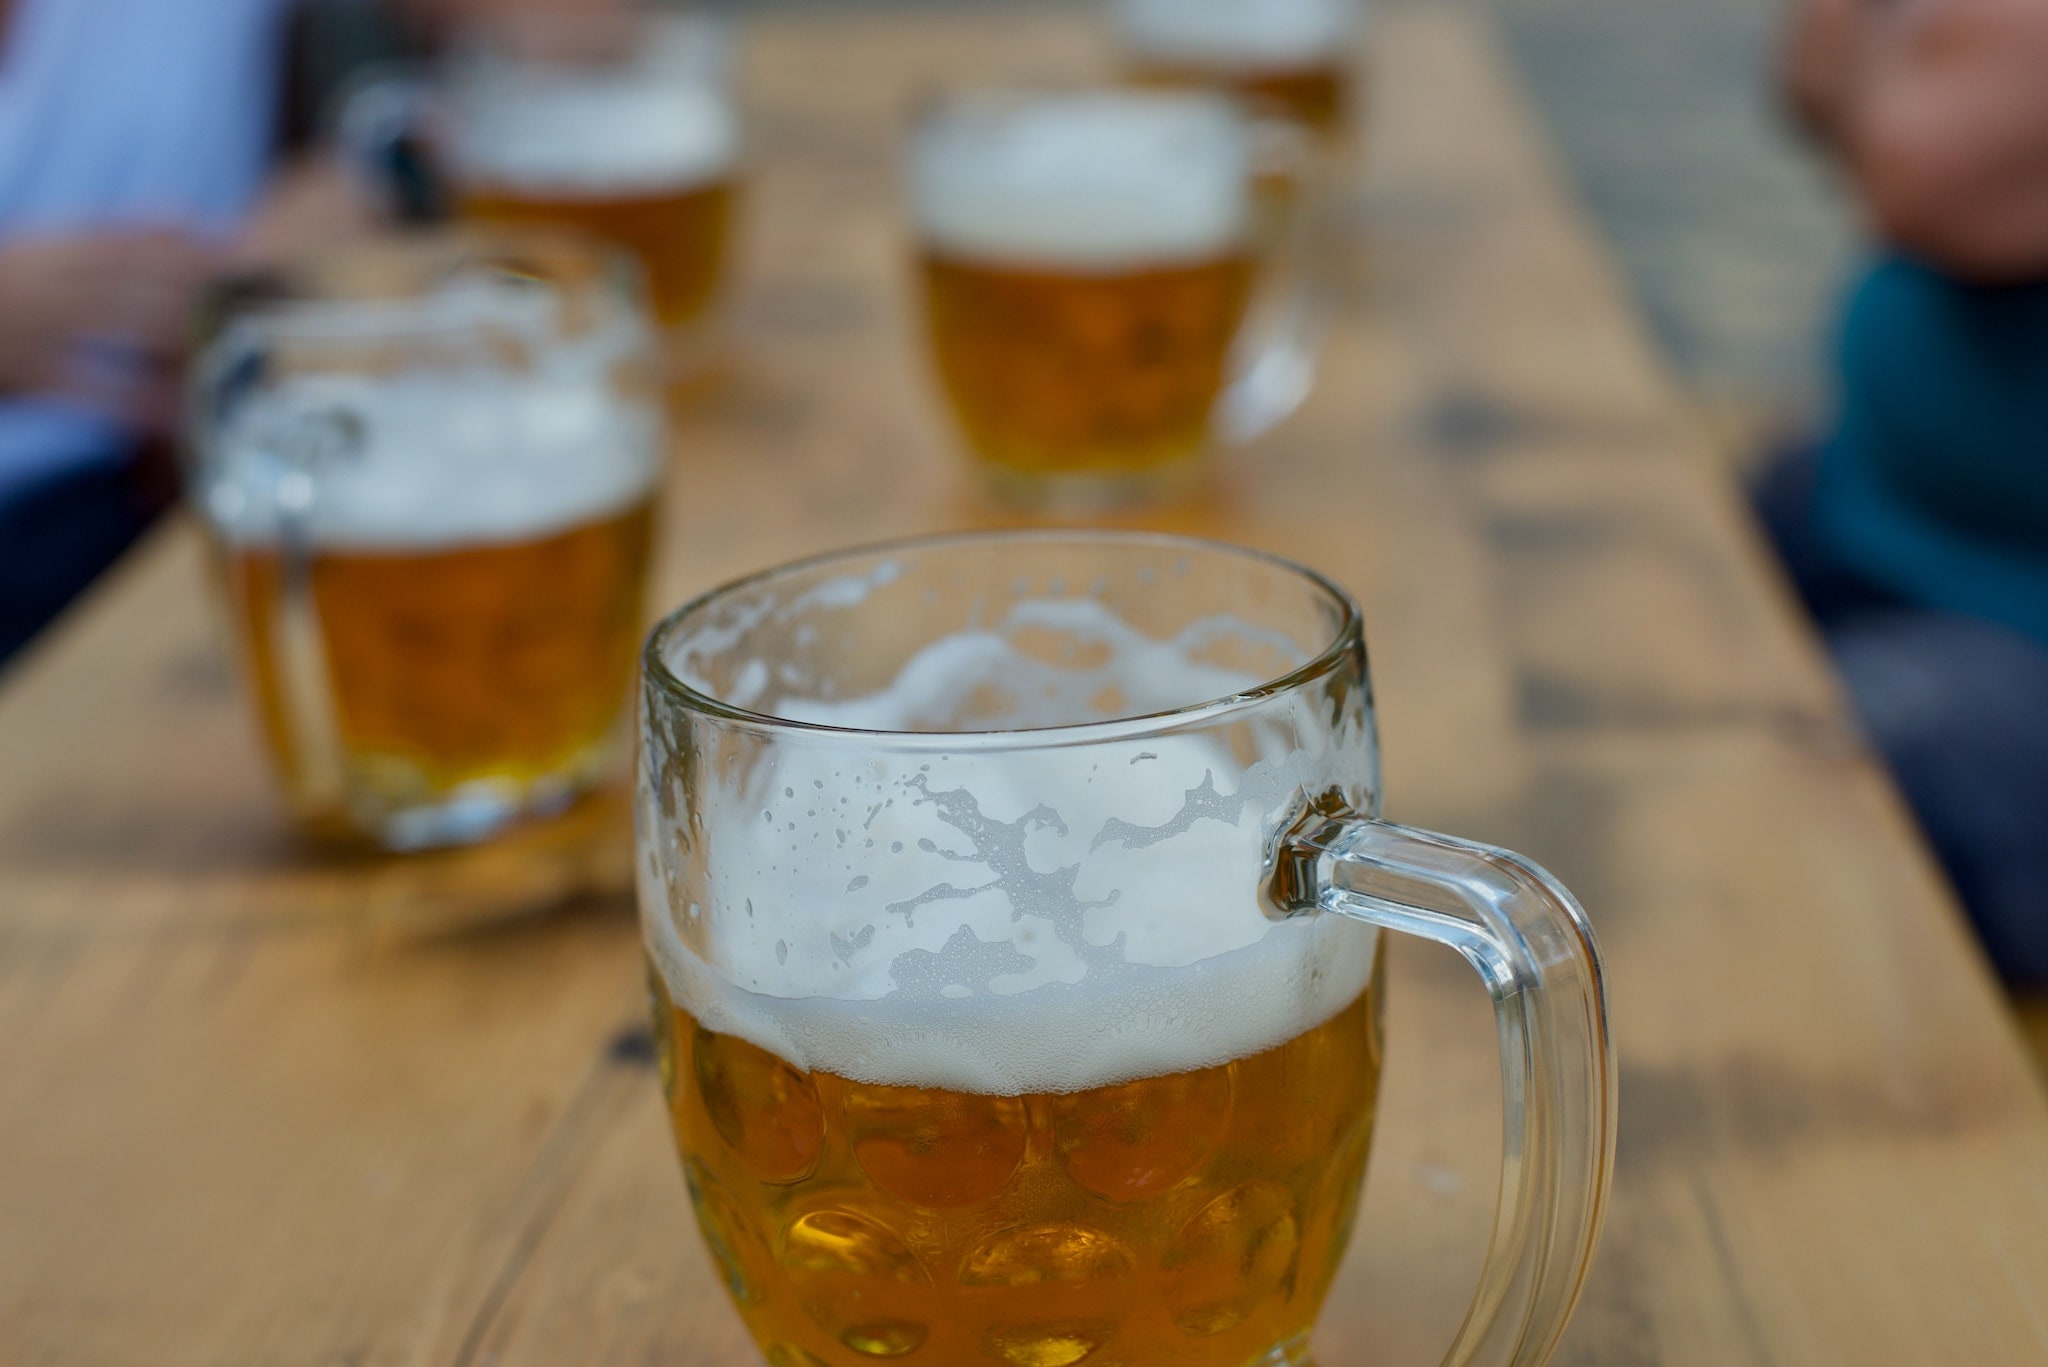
(558, 262)
(678, 694)
(701, 31)
(949, 99)
(943, 106)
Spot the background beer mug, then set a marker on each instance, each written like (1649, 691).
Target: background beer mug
(1295, 58)
(619, 124)
(1014, 904)
(1098, 290)
(427, 471)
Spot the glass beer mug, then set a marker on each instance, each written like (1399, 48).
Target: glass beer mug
(616, 123)
(427, 473)
(1014, 908)
(1295, 58)
(1106, 285)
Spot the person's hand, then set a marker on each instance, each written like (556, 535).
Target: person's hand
(310, 205)
(100, 318)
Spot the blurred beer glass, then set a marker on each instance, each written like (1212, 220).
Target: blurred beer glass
(1014, 905)
(620, 124)
(1090, 263)
(1295, 58)
(427, 472)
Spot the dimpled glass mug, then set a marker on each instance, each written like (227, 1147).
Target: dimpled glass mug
(1014, 906)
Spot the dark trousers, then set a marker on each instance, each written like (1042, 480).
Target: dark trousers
(1959, 708)
(58, 536)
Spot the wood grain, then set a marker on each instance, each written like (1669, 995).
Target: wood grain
(264, 1108)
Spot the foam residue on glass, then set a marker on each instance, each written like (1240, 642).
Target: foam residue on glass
(1095, 181)
(513, 432)
(1025, 919)
(1239, 33)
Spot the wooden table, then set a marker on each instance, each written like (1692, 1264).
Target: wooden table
(245, 1118)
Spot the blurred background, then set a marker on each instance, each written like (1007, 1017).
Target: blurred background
(1727, 150)
(1665, 113)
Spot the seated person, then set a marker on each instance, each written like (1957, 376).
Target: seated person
(1918, 533)
(138, 159)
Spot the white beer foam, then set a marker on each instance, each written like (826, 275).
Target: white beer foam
(467, 452)
(1239, 33)
(561, 133)
(1036, 920)
(1096, 181)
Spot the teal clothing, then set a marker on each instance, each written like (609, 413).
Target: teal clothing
(1936, 484)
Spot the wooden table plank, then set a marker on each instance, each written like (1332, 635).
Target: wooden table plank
(253, 1115)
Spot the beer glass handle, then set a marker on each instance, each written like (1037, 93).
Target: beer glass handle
(379, 130)
(1273, 361)
(1533, 947)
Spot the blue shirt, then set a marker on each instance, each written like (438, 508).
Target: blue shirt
(1936, 485)
(125, 113)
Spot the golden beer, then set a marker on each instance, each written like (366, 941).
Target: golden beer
(1053, 371)
(427, 470)
(680, 234)
(1195, 1218)
(500, 663)
(1087, 264)
(1287, 58)
(618, 125)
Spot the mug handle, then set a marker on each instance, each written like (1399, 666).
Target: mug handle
(380, 131)
(296, 449)
(1273, 359)
(298, 642)
(1531, 943)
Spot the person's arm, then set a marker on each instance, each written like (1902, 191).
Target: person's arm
(99, 318)
(310, 203)
(1948, 134)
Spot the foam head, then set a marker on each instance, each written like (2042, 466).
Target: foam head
(1093, 181)
(980, 911)
(551, 132)
(1230, 34)
(461, 449)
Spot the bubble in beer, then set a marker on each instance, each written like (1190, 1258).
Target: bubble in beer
(935, 1150)
(859, 1281)
(1145, 1137)
(739, 1251)
(1008, 1277)
(1235, 1254)
(766, 1110)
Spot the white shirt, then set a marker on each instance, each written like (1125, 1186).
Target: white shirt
(125, 113)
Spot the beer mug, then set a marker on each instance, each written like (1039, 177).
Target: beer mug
(1014, 907)
(427, 473)
(1293, 58)
(1098, 293)
(621, 125)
